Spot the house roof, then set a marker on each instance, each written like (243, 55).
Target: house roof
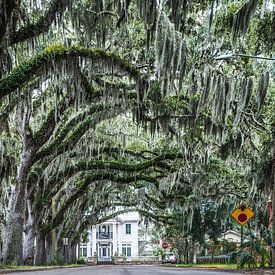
(231, 232)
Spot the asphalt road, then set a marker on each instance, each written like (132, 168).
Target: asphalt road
(127, 270)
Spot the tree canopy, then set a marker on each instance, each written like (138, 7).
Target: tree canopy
(110, 106)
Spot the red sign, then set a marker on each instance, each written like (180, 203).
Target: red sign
(164, 245)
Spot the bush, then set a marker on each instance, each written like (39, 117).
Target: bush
(57, 260)
(81, 261)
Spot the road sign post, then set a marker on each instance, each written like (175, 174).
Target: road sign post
(242, 215)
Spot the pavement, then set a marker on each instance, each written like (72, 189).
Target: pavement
(130, 270)
(139, 270)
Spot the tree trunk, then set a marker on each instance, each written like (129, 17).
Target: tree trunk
(71, 254)
(28, 246)
(49, 248)
(191, 251)
(13, 236)
(29, 237)
(186, 252)
(12, 245)
(40, 253)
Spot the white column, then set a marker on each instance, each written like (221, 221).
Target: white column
(119, 237)
(94, 240)
(114, 238)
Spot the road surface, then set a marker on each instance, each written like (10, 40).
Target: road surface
(128, 270)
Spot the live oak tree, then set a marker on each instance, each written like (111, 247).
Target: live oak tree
(154, 60)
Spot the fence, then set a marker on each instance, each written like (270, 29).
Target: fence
(209, 259)
(144, 259)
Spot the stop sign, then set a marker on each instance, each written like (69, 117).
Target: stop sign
(164, 245)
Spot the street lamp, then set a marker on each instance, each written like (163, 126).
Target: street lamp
(271, 199)
(229, 55)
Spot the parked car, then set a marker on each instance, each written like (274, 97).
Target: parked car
(169, 257)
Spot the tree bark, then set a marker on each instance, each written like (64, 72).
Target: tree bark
(29, 237)
(13, 233)
(191, 251)
(40, 251)
(13, 236)
(71, 254)
(49, 248)
(28, 245)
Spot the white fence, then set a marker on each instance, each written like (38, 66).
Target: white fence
(144, 259)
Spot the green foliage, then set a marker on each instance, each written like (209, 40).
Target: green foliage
(158, 251)
(81, 261)
(260, 36)
(58, 259)
(252, 254)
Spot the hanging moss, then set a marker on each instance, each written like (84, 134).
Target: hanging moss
(42, 25)
(27, 70)
(242, 18)
(260, 35)
(224, 18)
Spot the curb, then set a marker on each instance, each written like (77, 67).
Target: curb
(7, 271)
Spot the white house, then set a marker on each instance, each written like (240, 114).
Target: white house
(231, 236)
(118, 235)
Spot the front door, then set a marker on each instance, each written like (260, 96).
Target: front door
(104, 253)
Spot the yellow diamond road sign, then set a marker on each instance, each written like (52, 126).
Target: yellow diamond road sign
(242, 214)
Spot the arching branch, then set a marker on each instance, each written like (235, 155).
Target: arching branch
(27, 70)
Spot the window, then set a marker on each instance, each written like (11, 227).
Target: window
(126, 250)
(83, 250)
(128, 228)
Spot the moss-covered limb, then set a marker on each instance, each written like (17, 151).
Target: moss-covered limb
(83, 127)
(56, 182)
(109, 165)
(76, 134)
(159, 204)
(85, 165)
(65, 130)
(88, 87)
(114, 151)
(46, 130)
(88, 179)
(167, 219)
(42, 25)
(111, 85)
(34, 67)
